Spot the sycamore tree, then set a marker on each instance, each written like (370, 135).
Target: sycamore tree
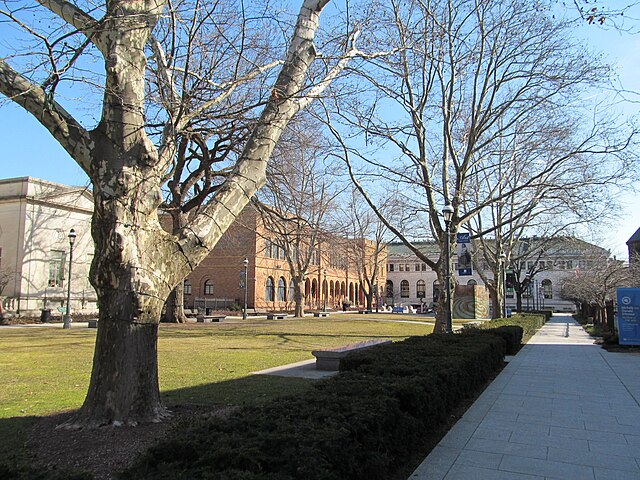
(132, 149)
(427, 120)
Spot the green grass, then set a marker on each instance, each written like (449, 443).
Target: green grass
(46, 370)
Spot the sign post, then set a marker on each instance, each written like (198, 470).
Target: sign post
(629, 316)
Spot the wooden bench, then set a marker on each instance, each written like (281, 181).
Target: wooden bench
(210, 318)
(330, 359)
(320, 314)
(276, 316)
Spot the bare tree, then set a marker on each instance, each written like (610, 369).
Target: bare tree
(301, 189)
(594, 289)
(139, 263)
(428, 120)
(366, 244)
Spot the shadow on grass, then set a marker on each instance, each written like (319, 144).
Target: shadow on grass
(241, 391)
(253, 389)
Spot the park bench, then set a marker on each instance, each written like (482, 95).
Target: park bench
(397, 310)
(210, 318)
(329, 359)
(93, 323)
(276, 316)
(320, 314)
(364, 311)
(256, 311)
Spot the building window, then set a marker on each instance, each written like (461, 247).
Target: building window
(436, 291)
(268, 246)
(407, 267)
(424, 267)
(401, 267)
(282, 290)
(391, 267)
(421, 289)
(547, 288)
(404, 289)
(417, 267)
(56, 268)
(292, 291)
(208, 287)
(269, 290)
(472, 282)
(187, 287)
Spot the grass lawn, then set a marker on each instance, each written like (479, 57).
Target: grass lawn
(46, 370)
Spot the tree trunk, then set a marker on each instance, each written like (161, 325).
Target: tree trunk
(518, 301)
(298, 294)
(174, 307)
(496, 311)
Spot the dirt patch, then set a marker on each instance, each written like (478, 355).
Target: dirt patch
(103, 451)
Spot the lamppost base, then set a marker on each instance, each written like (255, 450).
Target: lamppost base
(66, 322)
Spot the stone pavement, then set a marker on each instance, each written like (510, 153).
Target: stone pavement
(562, 409)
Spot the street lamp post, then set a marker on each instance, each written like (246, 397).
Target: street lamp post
(503, 280)
(447, 213)
(245, 262)
(67, 317)
(325, 291)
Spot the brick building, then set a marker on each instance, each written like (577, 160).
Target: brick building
(332, 278)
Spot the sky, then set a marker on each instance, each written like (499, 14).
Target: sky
(29, 150)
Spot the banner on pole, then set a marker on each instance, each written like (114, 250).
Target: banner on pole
(629, 316)
(464, 254)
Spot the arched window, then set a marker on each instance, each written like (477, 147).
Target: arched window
(208, 287)
(421, 289)
(547, 289)
(282, 290)
(187, 287)
(269, 290)
(404, 289)
(436, 291)
(472, 282)
(292, 291)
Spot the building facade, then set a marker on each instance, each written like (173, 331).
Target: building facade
(412, 282)
(334, 277)
(35, 219)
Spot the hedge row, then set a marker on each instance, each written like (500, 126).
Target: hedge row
(361, 424)
(513, 329)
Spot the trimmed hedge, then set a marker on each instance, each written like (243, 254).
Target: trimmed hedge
(513, 329)
(511, 334)
(361, 424)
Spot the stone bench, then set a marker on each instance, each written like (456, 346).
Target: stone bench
(330, 359)
(320, 314)
(364, 311)
(276, 316)
(92, 323)
(210, 318)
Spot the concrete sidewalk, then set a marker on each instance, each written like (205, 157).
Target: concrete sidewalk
(562, 409)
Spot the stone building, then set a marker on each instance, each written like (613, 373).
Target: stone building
(35, 219)
(412, 282)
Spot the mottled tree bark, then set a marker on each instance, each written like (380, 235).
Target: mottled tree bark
(137, 263)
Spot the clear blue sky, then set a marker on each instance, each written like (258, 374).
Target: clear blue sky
(29, 150)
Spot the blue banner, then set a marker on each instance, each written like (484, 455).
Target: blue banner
(629, 316)
(464, 254)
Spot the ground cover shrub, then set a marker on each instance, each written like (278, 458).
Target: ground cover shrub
(511, 334)
(362, 424)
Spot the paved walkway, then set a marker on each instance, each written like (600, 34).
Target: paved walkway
(562, 409)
